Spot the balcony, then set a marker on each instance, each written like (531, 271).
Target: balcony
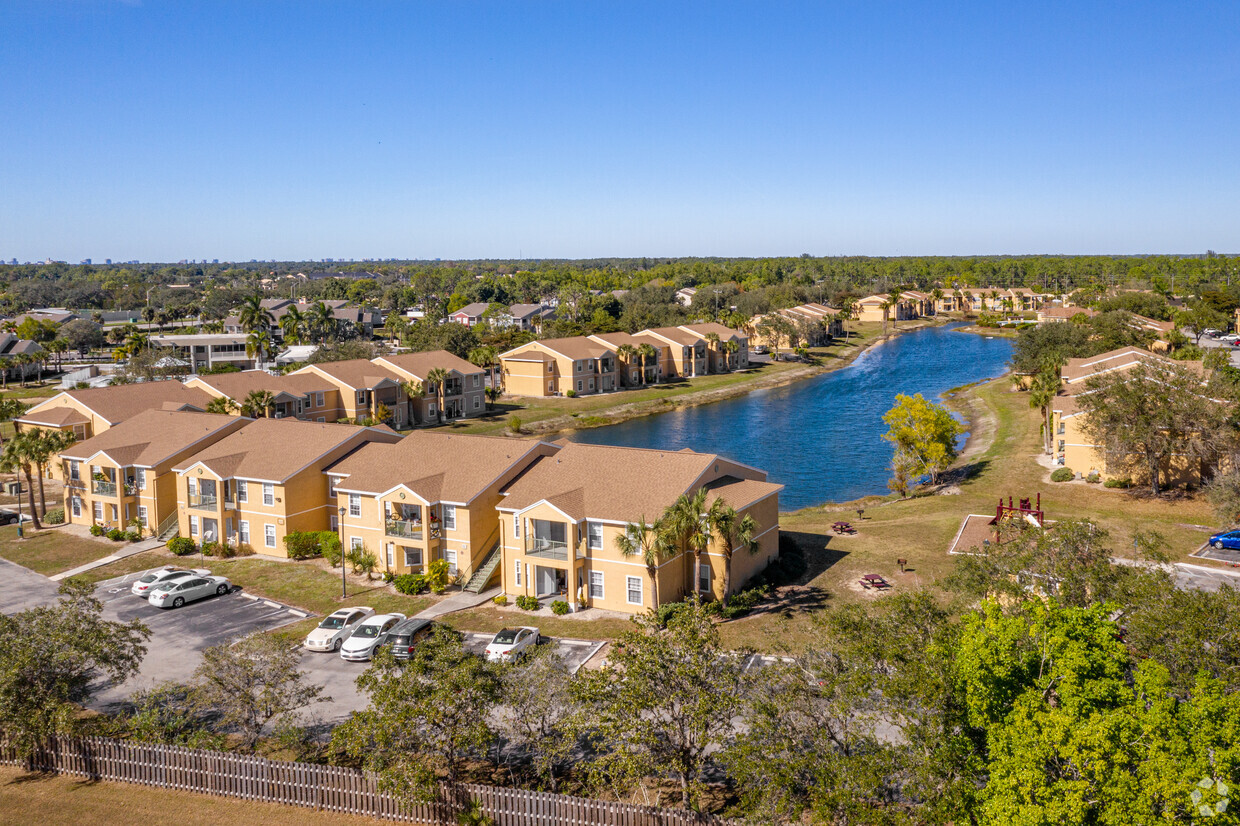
(543, 548)
(402, 529)
(203, 501)
(103, 488)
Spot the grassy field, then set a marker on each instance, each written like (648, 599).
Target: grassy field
(51, 551)
(490, 618)
(39, 798)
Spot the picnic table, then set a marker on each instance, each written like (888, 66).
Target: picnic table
(843, 527)
(874, 581)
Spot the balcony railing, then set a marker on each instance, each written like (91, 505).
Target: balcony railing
(403, 529)
(547, 548)
(103, 488)
(203, 501)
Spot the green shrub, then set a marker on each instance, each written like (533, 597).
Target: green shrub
(742, 602)
(388, 576)
(500, 600)
(410, 584)
(56, 516)
(514, 424)
(364, 562)
(245, 549)
(96, 530)
(329, 546)
(668, 610)
(116, 534)
(559, 607)
(182, 545)
(1093, 478)
(437, 575)
(527, 603)
(303, 544)
(1117, 483)
(210, 548)
(572, 394)
(1063, 474)
(133, 536)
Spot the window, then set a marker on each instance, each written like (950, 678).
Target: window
(413, 557)
(391, 555)
(595, 531)
(318, 399)
(335, 522)
(142, 514)
(516, 527)
(269, 494)
(704, 577)
(193, 525)
(355, 504)
(269, 535)
(76, 501)
(591, 384)
(75, 471)
(450, 555)
(449, 517)
(361, 396)
(430, 410)
(192, 486)
(243, 529)
(139, 476)
(355, 543)
(242, 494)
(596, 585)
(518, 573)
(634, 587)
(578, 385)
(477, 403)
(550, 387)
(477, 381)
(320, 419)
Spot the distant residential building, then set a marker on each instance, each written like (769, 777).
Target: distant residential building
(203, 351)
(684, 296)
(470, 315)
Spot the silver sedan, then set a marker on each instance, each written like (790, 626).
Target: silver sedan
(176, 594)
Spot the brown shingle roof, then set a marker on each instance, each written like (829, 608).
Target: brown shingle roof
(576, 347)
(435, 466)
(275, 449)
(358, 374)
(56, 417)
(1079, 369)
(701, 330)
(419, 364)
(239, 385)
(122, 401)
(674, 334)
(152, 437)
(741, 493)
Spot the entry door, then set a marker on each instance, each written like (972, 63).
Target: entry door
(544, 580)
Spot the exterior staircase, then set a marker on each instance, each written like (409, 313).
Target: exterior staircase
(169, 528)
(478, 582)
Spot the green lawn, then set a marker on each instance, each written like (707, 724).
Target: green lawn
(51, 551)
(489, 619)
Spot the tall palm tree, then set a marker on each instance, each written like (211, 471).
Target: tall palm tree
(253, 315)
(644, 540)
(293, 325)
(258, 404)
(647, 353)
(322, 322)
(894, 297)
(886, 308)
(22, 360)
(413, 390)
(224, 405)
(712, 340)
(1042, 392)
(58, 347)
(17, 456)
(148, 315)
(625, 353)
(484, 357)
(43, 446)
(734, 531)
(936, 295)
(6, 364)
(258, 344)
(732, 346)
(10, 409)
(686, 529)
(437, 378)
(968, 297)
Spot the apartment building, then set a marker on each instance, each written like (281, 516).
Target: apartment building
(817, 325)
(686, 351)
(430, 496)
(125, 473)
(554, 366)
(464, 391)
(89, 412)
(560, 520)
(302, 396)
(365, 388)
(265, 481)
(629, 367)
(203, 351)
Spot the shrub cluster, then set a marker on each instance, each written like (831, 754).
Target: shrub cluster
(409, 583)
(56, 516)
(309, 544)
(501, 600)
(559, 607)
(1117, 483)
(182, 546)
(97, 530)
(1063, 474)
(527, 603)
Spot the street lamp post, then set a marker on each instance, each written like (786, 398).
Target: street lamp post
(20, 533)
(343, 585)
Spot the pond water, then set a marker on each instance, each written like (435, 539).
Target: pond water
(822, 437)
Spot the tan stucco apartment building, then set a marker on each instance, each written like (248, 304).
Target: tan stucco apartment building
(560, 520)
(126, 473)
(265, 481)
(301, 396)
(430, 496)
(464, 391)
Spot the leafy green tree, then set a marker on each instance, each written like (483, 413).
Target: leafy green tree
(663, 702)
(645, 541)
(52, 659)
(82, 335)
(223, 405)
(168, 714)
(924, 433)
(540, 714)
(427, 717)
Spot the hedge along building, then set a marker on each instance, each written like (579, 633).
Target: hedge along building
(266, 481)
(126, 473)
(431, 496)
(561, 519)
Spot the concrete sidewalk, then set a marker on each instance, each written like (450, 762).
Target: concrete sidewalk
(457, 602)
(126, 551)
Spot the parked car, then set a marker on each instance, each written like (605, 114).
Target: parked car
(1227, 539)
(406, 635)
(760, 350)
(1211, 332)
(151, 580)
(511, 644)
(8, 517)
(371, 633)
(336, 628)
(178, 592)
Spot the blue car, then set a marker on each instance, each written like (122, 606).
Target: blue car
(1230, 539)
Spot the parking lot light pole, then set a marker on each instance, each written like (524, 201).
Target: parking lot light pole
(344, 592)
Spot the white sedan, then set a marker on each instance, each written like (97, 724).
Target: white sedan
(369, 635)
(511, 644)
(178, 592)
(336, 628)
(151, 580)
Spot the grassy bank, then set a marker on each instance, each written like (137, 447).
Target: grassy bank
(51, 551)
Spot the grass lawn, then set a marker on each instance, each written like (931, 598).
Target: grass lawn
(489, 619)
(51, 551)
(37, 798)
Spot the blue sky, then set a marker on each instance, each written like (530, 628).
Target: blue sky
(170, 129)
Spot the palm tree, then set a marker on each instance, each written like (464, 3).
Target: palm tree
(6, 364)
(712, 348)
(895, 297)
(733, 531)
(57, 347)
(257, 344)
(413, 390)
(732, 346)
(322, 321)
(41, 448)
(18, 456)
(148, 315)
(224, 405)
(968, 297)
(686, 529)
(484, 357)
(437, 378)
(10, 409)
(293, 325)
(22, 360)
(492, 393)
(259, 404)
(959, 296)
(936, 295)
(645, 540)
(625, 353)
(253, 315)
(886, 308)
(214, 326)
(162, 319)
(1042, 392)
(648, 352)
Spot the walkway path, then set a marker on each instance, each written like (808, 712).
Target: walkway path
(1191, 577)
(457, 602)
(126, 551)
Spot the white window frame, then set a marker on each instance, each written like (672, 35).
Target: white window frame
(75, 470)
(76, 503)
(243, 531)
(142, 516)
(705, 577)
(356, 543)
(477, 403)
(591, 527)
(269, 494)
(193, 525)
(449, 517)
(243, 492)
(335, 522)
(628, 590)
(450, 556)
(355, 504)
(139, 475)
(318, 400)
(516, 525)
(410, 560)
(596, 585)
(391, 555)
(269, 535)
(518, 582)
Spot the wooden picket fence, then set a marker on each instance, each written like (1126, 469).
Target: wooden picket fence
(327, 788)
